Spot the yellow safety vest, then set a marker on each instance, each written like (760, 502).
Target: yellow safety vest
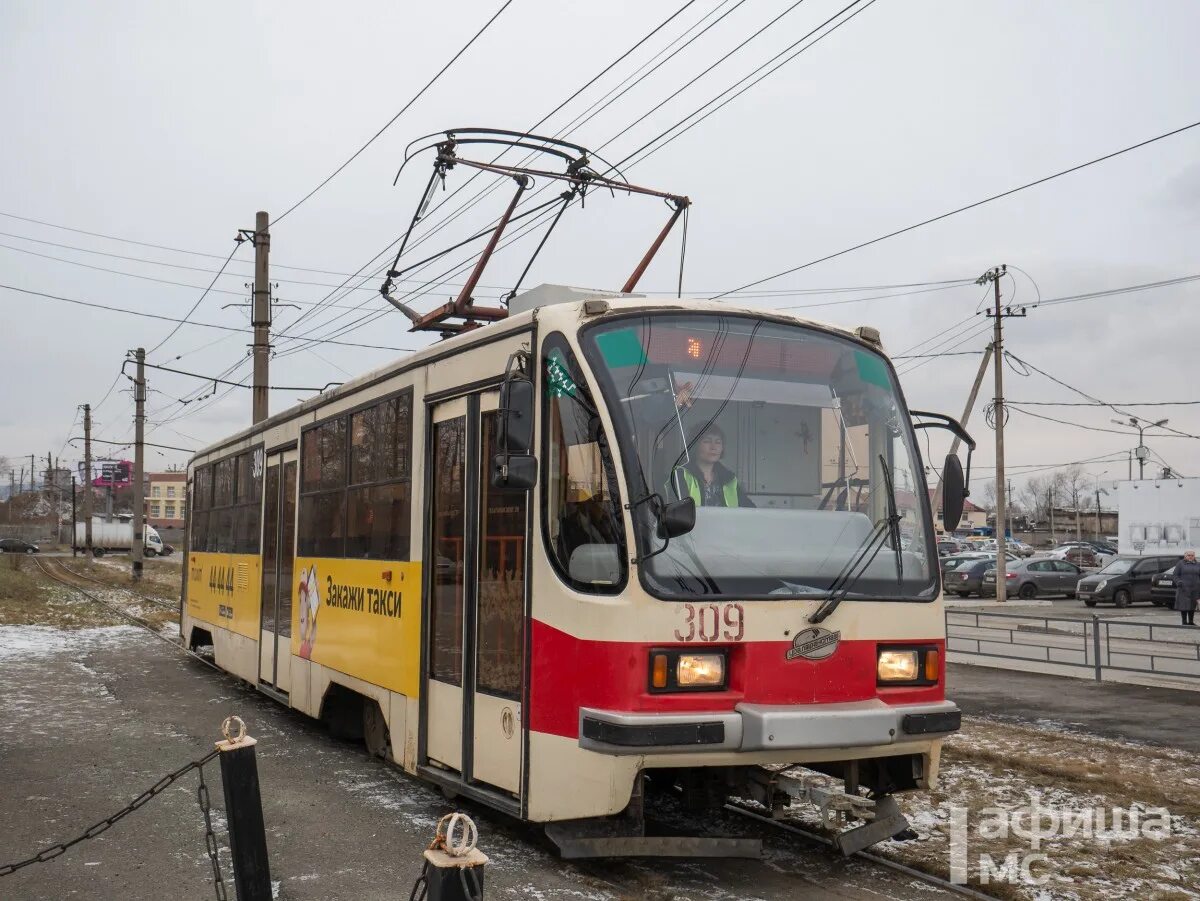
(729, 489)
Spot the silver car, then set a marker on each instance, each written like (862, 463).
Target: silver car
(1029, 578)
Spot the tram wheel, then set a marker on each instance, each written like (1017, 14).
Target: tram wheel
(375, 731)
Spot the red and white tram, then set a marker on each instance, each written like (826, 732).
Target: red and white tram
(503, 563)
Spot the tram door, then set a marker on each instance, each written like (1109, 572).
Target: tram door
(278, 557)
(475, 601)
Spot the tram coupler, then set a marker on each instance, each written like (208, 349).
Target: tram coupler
(881, 817)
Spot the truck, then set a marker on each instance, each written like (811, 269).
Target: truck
(109, 537)
(1158, 516)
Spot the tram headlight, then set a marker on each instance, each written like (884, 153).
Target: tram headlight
(677, 669)
(919, 665)
(897, 666)
(700, 670)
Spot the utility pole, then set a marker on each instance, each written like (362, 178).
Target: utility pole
(987, 357)
(139, 489)
(261, 316)
(87, 478)
(74, 543)
(32, 472)
(999, 315)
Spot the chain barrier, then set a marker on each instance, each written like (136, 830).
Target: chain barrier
(97, 828)
(210, 838)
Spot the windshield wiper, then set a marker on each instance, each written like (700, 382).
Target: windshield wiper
(887, 527)
(893, 520)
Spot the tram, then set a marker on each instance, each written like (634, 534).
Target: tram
(501, 562)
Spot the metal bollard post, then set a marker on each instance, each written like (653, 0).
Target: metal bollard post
(243, 810)
(454, 867)
(1096, 644)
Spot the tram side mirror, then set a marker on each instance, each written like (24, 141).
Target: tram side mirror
(516, 416)
(514, 472)
(678, 518)
(954, 493)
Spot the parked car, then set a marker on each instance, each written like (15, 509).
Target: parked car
(17, 546)
(967, 579)
(1125, 580)
(1029, 578)
(1019, 547)
(1162, 588)
(1081, 555)
(947, 547)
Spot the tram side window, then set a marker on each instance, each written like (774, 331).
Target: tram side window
(356, 475)
(323, 487)
(379, 499)
(226, 508)
(201, 501)
(584, 527)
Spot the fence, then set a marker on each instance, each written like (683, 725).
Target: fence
(1093, 644)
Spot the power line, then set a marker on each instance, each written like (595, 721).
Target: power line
(220, 381)
(392, 120)
(384, 312)
(1100, 403)
(964, 209)
(753, 83)
(209, 325)
(837, 303)
(476, 174)
(200, 299)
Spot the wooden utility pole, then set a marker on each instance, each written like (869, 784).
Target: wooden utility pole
(261, 317)
(139, 462)
(999, 315)
(987, 357)
(87, 478)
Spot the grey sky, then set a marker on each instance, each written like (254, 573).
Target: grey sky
(174, 123)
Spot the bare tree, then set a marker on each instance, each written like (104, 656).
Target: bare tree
(1075, 489)
(989, 496)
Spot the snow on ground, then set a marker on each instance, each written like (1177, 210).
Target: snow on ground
(1068, 784)
(29, 642)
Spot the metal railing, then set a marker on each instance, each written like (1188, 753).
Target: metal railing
(1094, 644)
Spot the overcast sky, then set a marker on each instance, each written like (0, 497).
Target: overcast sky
(173, 123)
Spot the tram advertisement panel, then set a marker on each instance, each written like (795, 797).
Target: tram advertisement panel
(360, 617)
(224, 590)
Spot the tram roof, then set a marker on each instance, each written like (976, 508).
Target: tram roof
(557, 306)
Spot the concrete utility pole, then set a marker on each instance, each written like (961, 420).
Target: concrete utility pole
(954, 445)
(139, 454)
(87, 478)
(999, 315)
(261, 316)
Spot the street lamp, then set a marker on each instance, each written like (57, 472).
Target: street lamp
(1142, 451)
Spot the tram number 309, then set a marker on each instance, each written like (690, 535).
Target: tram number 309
(712, 622)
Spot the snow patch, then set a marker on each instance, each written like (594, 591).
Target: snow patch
(33, 642)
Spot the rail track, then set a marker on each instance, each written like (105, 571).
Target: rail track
(792, 829)
(100, 583)
(64, 575)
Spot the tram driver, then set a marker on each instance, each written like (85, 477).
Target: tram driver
(704, 477)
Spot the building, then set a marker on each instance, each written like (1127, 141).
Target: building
(166, 499)
(973, 517)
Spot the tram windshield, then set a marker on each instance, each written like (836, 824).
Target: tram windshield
(792, 442)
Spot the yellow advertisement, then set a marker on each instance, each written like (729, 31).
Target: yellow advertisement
(360, 617)
(224, 590)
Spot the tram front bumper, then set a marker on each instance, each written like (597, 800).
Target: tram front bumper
(763, 727)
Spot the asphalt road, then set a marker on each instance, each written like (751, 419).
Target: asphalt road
(1157, 716)
(94, 718)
